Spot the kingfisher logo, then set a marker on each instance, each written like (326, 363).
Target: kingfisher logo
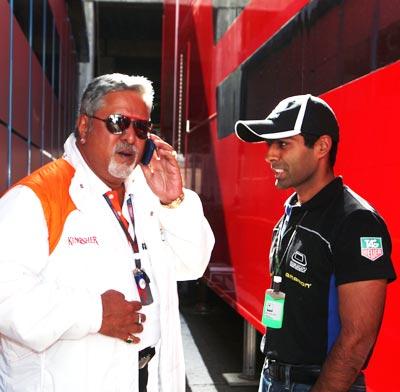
(298, 261)
(82, 240)
(371, 247)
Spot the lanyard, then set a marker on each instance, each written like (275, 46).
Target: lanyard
(284, 224)
(133, 242)
(282, 228)
(142, 280)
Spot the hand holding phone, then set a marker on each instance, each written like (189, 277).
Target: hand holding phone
(163, 174)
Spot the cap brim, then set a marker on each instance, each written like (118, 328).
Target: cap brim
(256, 131)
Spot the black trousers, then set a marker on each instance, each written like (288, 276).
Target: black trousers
(143, 377)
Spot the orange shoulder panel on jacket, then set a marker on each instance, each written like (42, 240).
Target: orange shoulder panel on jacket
(51, 185)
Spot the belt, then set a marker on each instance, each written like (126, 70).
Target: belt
(301, 374)
(145, 355)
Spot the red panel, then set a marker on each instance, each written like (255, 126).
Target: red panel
(59, 13)
(36, 91)
(4, 59)
(258, 22)
(252, 206)
(20, 81)
(35, 159)
(55, 142)
(3, 158)
(47, 117)
(19, 164)
(46, 159)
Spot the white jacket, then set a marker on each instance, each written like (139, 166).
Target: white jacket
(50, 305)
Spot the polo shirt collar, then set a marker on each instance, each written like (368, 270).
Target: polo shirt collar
(322, 198)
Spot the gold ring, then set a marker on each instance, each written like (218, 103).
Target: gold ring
(139, 318)
(174, 154)
(129, 339)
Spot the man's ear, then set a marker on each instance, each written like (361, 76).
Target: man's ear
(323, 145)
(82, 126)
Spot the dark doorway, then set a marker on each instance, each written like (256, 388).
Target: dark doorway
(128, 40)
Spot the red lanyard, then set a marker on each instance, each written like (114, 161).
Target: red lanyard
(141, 278)
(133, 242)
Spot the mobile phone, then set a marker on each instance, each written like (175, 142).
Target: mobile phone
(149, 148)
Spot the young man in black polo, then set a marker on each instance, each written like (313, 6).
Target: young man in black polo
(329, 260)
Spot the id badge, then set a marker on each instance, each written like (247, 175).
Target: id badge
(143, 286)
(274, 304)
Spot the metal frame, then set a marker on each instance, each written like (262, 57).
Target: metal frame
(248, 375)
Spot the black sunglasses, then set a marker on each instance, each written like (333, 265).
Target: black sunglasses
(117, 124)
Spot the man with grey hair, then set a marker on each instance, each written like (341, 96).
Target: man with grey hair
(89, 302)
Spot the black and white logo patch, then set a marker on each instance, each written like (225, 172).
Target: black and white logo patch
(298, 262)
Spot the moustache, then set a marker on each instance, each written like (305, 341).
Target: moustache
(125, 148)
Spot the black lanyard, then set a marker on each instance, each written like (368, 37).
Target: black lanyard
(277, 264)
(133, 242)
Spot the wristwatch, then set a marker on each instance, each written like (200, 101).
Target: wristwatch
(174, 203)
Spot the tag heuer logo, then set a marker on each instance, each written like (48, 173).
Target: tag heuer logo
(371, 247)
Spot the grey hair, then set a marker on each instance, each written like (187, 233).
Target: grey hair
(92, 97)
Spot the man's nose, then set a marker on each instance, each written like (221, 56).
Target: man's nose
(129, 135)
(272, 153)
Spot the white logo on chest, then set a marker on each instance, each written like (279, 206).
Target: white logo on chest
(298, 261)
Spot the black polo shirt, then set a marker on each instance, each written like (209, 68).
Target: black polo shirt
(334, 238)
